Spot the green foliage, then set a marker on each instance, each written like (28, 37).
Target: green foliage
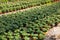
(22, 4)
(30, 24)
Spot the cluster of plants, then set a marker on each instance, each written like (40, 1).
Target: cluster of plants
(8, 7)
(30, 33)
(31, 24)
(4, 1)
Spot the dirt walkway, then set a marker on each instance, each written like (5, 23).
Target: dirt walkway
(53, 33)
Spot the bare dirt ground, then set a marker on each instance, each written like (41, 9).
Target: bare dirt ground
(53, 33)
